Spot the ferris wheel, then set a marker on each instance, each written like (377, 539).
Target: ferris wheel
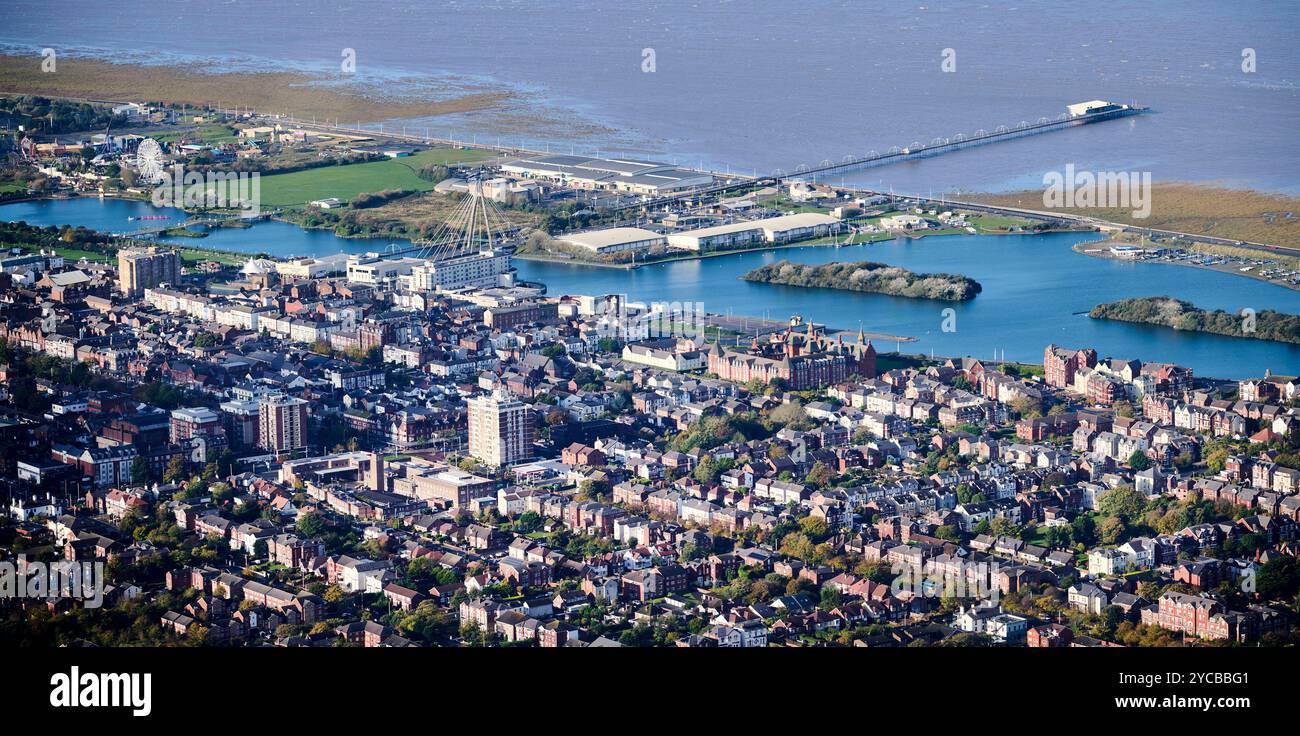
(149, 160)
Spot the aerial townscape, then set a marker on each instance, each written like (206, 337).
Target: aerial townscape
(412, 386)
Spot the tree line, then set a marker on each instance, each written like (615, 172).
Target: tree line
(865, 276)
(1181, 315)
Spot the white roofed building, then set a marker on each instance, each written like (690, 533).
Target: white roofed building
(624, 175)
(782, 229)
(615, 239)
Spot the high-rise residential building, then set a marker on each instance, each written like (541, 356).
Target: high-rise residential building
(282, 423)
(240, 418)
(193, 422)
(501, 429)
(200, 432)
(144, 268)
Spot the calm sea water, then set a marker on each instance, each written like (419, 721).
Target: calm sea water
(1035, 289)
(756, 86)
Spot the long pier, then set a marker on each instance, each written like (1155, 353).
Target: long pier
(961, 141)
(898, 154)
(729, 182)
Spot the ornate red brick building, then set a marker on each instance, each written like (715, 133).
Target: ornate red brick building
(801, 360)
(1060, 364)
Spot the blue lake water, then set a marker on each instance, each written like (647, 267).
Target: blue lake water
(1035, 288)
(279, 239)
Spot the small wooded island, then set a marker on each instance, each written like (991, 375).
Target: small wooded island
(1180, 315)
(875, 278)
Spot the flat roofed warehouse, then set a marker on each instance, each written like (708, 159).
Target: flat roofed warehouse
(624, 175)
(772, 230)
(615, 239)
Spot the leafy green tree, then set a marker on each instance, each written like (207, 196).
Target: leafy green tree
(710, 470)
(141, 471)
(1083, 530)
(1216, 457)
(1056, 536)
(1139, 461)
(1111, 529)
(799, 546)
(175, 470)
(814, 527)
(310, 524)
(594, 489)
(830, 598)
(1003, 527)
(965, 639)
(949, 532)
(1278, 579)
(427, 623)
(1122, 501)
(1027, 408)
(819, 475)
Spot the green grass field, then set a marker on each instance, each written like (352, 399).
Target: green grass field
(212, 133)
(857, 239)
(985, 223)
(188, 256)
(784, 203)
(72, 255)
(345, 182)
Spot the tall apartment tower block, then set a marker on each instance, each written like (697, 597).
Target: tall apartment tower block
(144, 268)
(282, 423)
(501, 429)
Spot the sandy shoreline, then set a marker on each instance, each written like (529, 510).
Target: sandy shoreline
(295, 93)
